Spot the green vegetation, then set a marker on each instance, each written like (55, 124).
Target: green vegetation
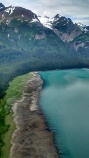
(81, 38)
(7, 125)
(21, 53)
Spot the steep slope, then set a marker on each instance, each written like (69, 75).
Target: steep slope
(26, 44)
(62, 26)
(81, 42)
(65, 28)
(76, 36)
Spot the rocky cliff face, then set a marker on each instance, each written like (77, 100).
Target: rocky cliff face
(76, 35)
(65, 28)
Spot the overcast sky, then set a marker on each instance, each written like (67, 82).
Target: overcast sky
(77, 10)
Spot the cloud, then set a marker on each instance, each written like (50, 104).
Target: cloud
(69, 8)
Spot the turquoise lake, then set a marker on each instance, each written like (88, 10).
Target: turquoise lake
(65, 103)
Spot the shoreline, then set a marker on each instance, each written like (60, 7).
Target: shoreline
(31, 137)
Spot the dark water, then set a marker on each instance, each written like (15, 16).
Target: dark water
(65, 103)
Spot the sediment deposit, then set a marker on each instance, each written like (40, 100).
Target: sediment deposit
(31, 138)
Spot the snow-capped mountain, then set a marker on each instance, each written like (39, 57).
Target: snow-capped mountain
(83, 28)
(63, 27)
(47, 21)
(8, 13)
(30, 42)
(10, 10)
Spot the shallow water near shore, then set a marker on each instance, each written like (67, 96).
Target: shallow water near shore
(65, 103)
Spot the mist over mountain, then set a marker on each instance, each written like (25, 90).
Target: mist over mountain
(31, 43)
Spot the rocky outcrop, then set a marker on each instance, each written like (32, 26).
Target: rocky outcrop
(31, 138)
(40, 37)
(67, 37)
(10, 13)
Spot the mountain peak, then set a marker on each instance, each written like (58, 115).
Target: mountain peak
(1, 6)
(10, 9)
(47, 17)
(19, 13)
(58, 16)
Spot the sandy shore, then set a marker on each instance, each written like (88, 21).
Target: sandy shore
(31, 138)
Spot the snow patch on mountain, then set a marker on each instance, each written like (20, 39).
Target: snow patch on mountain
(46, 21)
(57, 17)
(10, 10)
(34, 20)
(83, 27)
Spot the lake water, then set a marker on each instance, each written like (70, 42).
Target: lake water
(65, 104)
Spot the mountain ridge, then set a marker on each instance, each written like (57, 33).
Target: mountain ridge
(27, 45)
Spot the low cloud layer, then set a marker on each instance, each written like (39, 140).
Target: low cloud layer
(78, 10)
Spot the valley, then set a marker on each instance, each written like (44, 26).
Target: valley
(44, 83)
(27, 44)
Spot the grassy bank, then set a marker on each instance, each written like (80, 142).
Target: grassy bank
(7, 125)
